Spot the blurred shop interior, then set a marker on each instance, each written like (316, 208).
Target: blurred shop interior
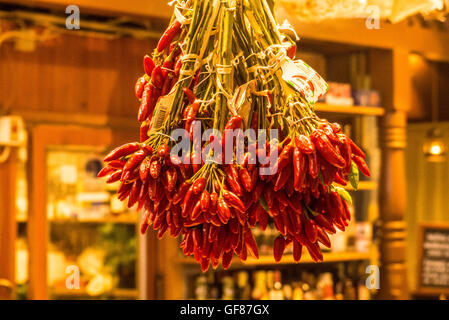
(67, 97)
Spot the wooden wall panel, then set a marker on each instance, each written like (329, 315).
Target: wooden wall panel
(72, 74)
(144, 8)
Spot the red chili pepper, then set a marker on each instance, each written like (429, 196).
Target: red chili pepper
(145, 223)
(163, 151)
(336, 205)
(279, 224)
(189, 94)
(232, 178)
(155, 169)
(122, 151)
(295, 204)
(178, 65)
(198, 185)
(227, 259)
(258, 189)
(310, 230)
(250, 242)
(297, 250)
(107, 170)
(245, 178)
(262, 217)
(224, 213)
(117, 164)
(155, 94)
(233, 123)
(345, 150)
(135, 193)
(323, 238)
(298, 168)
(191, 112)
(213, 203)
(347, 211)
(123, 188)
(336, 127)
(171, 176)
(148, 65)
(304, 144)
(315, 251)
(233, 200)
(327, 129)
(196, 212)
(361, 164)
(328, 171)
(169, 34)
(144, 169)
(339, 179)
(282, 178)
(166, 87)
(268, 193)
(324, 223)
(355, 149)
(144, 103)
(313, 165)
(157, 78)
(284, 159)
(278, 248)
(205, 201)
(139, 87)
(134, 161)
(326, 149)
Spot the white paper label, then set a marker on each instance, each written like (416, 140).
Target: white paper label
(162, 110)
(304, 79)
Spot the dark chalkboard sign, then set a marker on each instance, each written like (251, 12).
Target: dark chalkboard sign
(433, 271)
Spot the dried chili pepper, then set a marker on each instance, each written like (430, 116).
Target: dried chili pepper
(304, 144)
(122, 151)
(278, 248)
(326, 149)
(148, 65)
(361, 164)
(140, 86)
(169, 34)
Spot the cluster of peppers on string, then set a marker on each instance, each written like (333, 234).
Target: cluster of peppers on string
(209, 51)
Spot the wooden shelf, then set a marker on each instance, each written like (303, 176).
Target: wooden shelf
(81, 293)
(363, 186)
(329, 257)
(118, 220)
(354, 110)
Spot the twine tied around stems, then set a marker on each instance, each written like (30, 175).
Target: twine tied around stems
(191, 58)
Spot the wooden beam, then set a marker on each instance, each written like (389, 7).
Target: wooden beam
(430, 42)
(8, 225)
(395, 85)
(138, 8)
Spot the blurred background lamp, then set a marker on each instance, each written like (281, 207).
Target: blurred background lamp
(434, 147)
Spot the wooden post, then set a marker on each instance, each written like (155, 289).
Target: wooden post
(390, 76)
(8, 224)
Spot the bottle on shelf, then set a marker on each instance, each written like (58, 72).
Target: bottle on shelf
(276, 292)
(260, 291)
(228, 288)
(244, 288)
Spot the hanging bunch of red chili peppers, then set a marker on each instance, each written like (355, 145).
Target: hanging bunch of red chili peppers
(224, 65)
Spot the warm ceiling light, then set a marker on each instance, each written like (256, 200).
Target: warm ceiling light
(434, 147)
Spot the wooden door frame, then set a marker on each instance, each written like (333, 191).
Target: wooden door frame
(42, 137)
(8, 225)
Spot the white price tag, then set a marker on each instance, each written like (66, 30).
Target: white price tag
(304, 79)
